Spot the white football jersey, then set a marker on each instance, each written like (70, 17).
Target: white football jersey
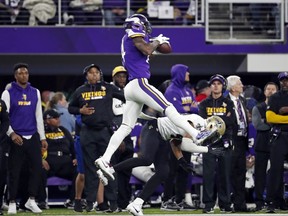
(118, 107)
(167, 128)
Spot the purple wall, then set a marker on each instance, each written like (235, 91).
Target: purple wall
(98, 40)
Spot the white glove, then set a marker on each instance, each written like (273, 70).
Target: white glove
(162, 39)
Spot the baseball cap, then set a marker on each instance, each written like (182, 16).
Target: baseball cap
(118, 69)
(283, 75)
(87, 68)
(52, 113)
(201, 84)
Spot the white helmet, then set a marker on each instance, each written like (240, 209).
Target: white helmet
(216, 122)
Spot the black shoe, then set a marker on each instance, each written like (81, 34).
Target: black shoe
(102, 207)
(22, 208)
(69, 204)
(260, 207)
(270, 209)
(78, 206)
(185, 207)
(208, 211)
(43, 205)
(170, 205)
(227, 209)
(89, 206)
(83, 203)
(242, 209)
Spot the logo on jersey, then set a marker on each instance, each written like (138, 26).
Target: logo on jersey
(55, 135)
(24, 101)
(219, 111)
(186, 100)
(94, 95)
(119, 105)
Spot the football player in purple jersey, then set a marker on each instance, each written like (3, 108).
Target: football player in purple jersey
(136, 48)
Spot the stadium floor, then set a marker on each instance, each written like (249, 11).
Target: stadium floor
(176, 214)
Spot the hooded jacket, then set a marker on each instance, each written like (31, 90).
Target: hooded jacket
(222, 107)
(98, 96)
(177, 92)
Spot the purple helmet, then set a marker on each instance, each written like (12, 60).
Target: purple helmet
(283, 75)
(138, 22)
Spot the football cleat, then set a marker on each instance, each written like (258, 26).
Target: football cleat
(203, 135)
(12, 209)
(104, 166)
(102, 178)
(135, 209)
(31, 205)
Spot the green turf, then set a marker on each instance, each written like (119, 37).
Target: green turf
(64, 211)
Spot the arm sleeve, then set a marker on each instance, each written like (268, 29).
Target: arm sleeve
(202, 110)
(272, 115)
(230, 117)
(189, 146)
(39, 117)
(257, 121)
(118, 93)
(71, 142)
(73, 107)
(6, 98)
(274, 118)
(194, 110)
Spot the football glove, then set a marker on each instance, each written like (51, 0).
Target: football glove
(216, 151)
(176, 140)
(162, 39)
(187, 167)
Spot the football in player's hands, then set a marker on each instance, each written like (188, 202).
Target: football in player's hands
(164, 48)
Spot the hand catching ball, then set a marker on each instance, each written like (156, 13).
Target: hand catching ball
(164, 48)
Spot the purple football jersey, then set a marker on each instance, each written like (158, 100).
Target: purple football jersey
(135, 62)
(251, 138)
(135, 135)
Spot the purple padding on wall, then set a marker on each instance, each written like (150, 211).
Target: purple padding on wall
(52, 181)
(100, 40)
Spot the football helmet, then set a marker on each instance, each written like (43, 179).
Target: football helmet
(139, 23)
(221, 79)
(212, 123)
(216, 122)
